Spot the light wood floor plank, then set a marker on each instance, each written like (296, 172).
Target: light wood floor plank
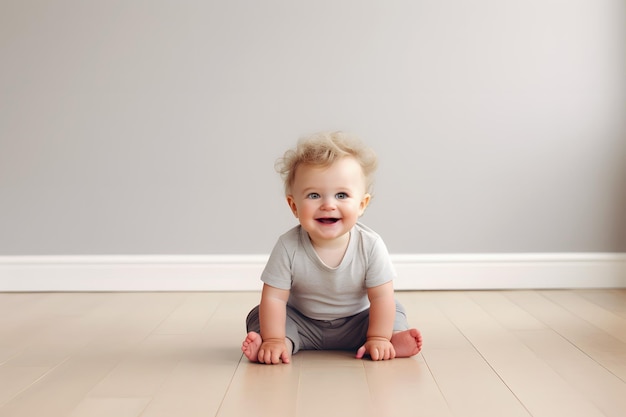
(66, 328)
(333, 388)
(107, 407)
(423, 311)
(192, 389)
(207, 354)
(487, 353)
(542, 391)
(469, 384)
(467, 381)
(16, 379)
(141, 371)
(594, 342)
(263, 390)
(60, 390)
(505, 312)
(600, 316)
(404, 386)
(589, 378)
(612, 299)
(192, 315)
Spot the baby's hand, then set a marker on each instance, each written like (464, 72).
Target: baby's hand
(379, 349)
(273, 351)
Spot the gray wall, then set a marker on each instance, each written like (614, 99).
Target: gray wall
(152, 127)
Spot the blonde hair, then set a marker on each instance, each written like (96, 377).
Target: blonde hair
(321, 150)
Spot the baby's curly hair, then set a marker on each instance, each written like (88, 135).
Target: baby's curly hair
(322, 149)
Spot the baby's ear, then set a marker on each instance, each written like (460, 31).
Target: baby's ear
(292, 205)
(364, 203)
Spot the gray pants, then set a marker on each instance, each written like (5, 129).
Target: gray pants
(348, 333)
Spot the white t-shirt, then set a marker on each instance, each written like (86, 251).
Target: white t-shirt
(325, 293)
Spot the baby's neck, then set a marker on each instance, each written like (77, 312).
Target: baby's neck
(332, 252)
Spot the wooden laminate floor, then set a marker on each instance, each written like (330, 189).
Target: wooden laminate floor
(493, 353)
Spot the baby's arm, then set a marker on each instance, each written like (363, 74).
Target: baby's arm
(272, 317)
(380, 330)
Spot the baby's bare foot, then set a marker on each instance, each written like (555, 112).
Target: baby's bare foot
(407, 343)
(250, 346)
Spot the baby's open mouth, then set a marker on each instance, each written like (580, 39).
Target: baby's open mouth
(328, 220)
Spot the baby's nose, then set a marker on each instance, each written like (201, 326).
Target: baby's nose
(328, 204)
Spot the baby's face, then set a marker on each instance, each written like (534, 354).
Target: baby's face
(328, 201)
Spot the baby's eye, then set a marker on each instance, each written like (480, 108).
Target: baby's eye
(341, 196)
(313, 196)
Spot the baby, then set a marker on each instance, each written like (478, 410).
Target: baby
(328, 283)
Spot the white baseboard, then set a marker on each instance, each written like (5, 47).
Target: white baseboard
(241, 272)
